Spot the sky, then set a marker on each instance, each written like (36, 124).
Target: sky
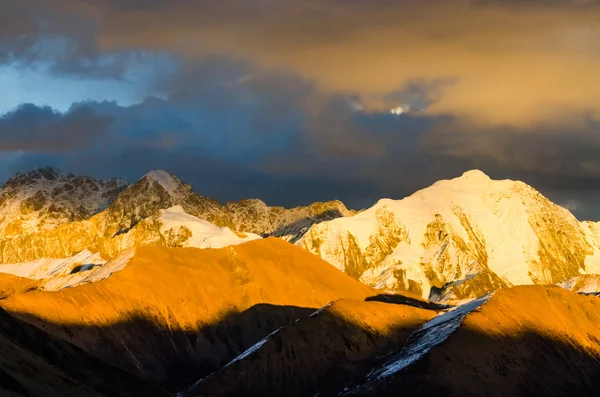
(291, 101)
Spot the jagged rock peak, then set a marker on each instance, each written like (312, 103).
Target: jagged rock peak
(45, 198)
(46, 173)
(169, 182)
(50, 176)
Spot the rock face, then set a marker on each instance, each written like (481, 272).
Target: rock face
(459, 238)
(43, 199)
(49, 215)
(173, 315)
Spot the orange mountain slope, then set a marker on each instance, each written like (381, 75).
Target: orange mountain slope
(528, 340)
(36, 364)
(174, 315)
(319, 354)
(10, 285)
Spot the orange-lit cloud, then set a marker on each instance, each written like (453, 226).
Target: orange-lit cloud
(511, 64)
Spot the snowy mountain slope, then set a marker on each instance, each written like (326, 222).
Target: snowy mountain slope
(585, 284)
(160, 190)
(431, 334)
(526, 340)
(131, 218)
(174, 315)
(154, 191)
(318, 354)
(202, 234)
(486, 234)
(592, 234)
(44, 198)
(45, 268)
(55, 274)
(171, 228)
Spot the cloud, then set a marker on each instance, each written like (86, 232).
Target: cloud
(289, 101)
(515, 63)
(511, 64)
(40, 129)
(234, 131)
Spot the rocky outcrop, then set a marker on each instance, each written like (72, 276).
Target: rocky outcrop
(43, 199)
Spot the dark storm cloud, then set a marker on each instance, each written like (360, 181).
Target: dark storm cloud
(240, 144)
(289, 101)
(40, 129)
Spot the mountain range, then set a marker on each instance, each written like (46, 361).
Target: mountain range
(457, 239)
(471, 286)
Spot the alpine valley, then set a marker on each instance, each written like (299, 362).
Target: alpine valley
(471, 286)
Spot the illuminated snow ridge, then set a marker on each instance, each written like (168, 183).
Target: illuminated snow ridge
(428, 336)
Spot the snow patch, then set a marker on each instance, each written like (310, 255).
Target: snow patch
(166, 180)
(90, 275)
(48, 267)
(254, 348)
(315, 314)
(427, 337)
(204, 233)
(251, 350)
(57, 274)
(585, 284)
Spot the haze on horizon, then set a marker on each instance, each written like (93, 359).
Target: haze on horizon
(291, 102)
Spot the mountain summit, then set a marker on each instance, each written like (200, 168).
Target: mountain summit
(44, 198)
(458, 238)
(45, 214)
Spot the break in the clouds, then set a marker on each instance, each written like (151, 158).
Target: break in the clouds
(291, 101)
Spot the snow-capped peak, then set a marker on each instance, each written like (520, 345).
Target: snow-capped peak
(165, 179)
(199, 232)
(472, 230)
(44, 198)
(475, 175)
